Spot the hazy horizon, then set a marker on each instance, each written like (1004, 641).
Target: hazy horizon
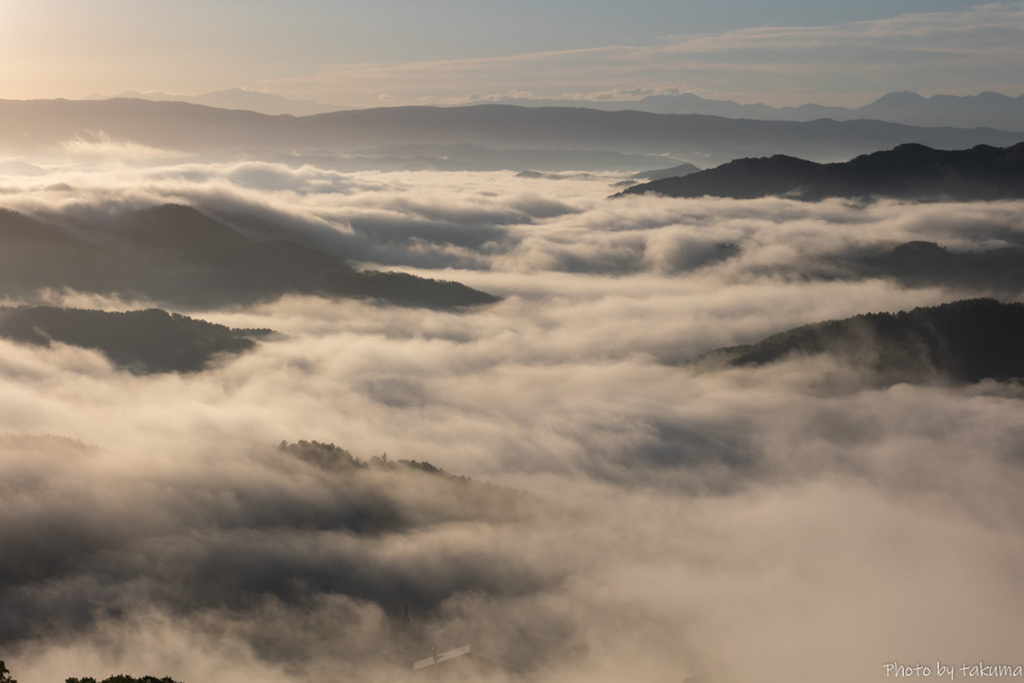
(367, 54)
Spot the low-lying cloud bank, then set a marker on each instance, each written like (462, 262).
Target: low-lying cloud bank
(785, 522)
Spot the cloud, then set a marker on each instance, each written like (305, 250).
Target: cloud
(611, 95)
(100, 145)
(784, 522)
(961, 52)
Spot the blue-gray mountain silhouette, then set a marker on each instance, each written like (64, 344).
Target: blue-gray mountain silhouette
(31, 126)
(990, 109)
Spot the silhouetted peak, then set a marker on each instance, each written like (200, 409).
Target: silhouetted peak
(908, 148)
(901, 97)
(918, 247)
(990, 97)
(776, 161)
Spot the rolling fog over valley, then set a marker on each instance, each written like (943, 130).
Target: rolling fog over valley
(476, 342)
(531, 455)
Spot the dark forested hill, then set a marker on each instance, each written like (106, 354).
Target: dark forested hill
(179, 256)
(964, 341)
(926, 264)
(739, 179)
(140, 341)
(909, 171)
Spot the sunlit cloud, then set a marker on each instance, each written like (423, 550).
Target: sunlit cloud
(101, 146)
(789, 521)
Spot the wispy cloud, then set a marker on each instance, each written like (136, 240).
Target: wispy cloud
(953, 52)
(99, 145)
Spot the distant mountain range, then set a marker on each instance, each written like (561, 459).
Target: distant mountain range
(142, 342)
(964, 341)
(178, 256)
(39, 127)
(985, 110)
(909, 171)
(236, 98)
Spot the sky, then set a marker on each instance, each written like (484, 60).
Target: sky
(400, 52)
(630, 515)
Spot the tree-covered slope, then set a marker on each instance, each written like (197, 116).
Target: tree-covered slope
(963, 341)
(909, 171)
(177, 255)
(143, 342)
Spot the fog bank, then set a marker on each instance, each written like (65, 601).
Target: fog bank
(629, 516)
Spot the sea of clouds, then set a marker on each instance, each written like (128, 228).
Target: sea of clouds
(655, 521)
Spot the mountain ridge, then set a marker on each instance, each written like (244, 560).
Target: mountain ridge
(985, 109)
(908, 171)
(176, 255)
(235, 98)
(964, 341)
(142, 342)
(46, 126)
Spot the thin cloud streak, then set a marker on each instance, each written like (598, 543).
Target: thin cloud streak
(950, 52)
